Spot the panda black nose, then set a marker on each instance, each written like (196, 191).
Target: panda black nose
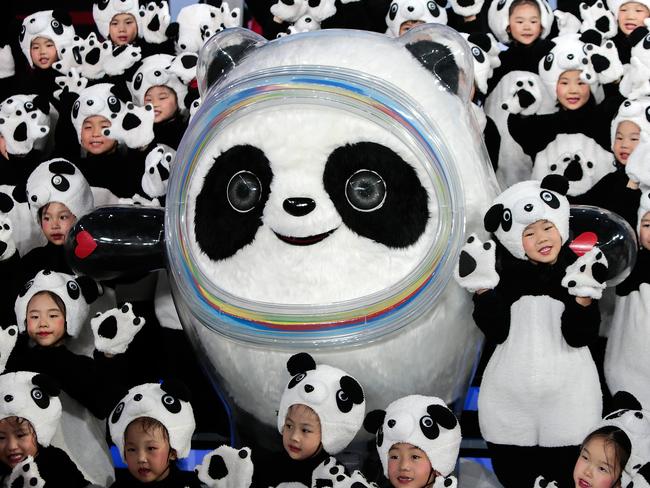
(137, 397)
(528, 207)
(8, 398)
(391, 423)
(33, 198)
(156, 73)
(298, 207)
(309, 388)
(410, 8)
(182, 46)
(90, 103)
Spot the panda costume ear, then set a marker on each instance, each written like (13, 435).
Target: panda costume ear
(6, 203)
(557, 183)
(637, 35)
(62, 16)
(481, 39)
(42, 103)
(222, 52)
(374, 420)
(19, 192)
(176, 389)
(300, 363)
(172, 31)
(438, 59)
(625, 400)
(47, 384)
(90, 289)
(492, 218)
(591, 36)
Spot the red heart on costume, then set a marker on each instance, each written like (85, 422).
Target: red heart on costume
(583, 243)
(85, 245)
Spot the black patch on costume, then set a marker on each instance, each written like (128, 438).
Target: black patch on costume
(176, 389)
(41, 399)
(154, 24)
(478, 54)
(438, 59)
(373, 423)
(6, 203)
(402, 218)
(300, 363)
(108, 327)
(217, 468)
(117, 413)
(61, 166)
(130, 121)
(73, 289)
(137, 82)
(188, 61)
(466, 264)
(557, 183)
(349, 395)
(433, 8)
(92, 57)
(220, 229)
(171, 403)
(392, 13)
(46, 384)
(20, 133)
(323, 483)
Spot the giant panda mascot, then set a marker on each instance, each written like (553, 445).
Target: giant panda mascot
(318, 202)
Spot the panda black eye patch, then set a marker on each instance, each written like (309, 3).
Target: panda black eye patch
(377, 194)
(230, 204)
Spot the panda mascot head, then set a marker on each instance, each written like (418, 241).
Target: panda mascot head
(336, 397)
(58, 180)
(51, 24)
(76, 294)
(32, 396)
(168, 403)
(423, 421)
(525, 203)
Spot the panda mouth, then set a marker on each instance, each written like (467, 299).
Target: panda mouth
(304, 241)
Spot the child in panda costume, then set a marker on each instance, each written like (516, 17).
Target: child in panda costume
(30, 411)
(321, 410)
(540, 391)
(626, 365)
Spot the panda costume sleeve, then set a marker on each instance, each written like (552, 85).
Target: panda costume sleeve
(540, 390)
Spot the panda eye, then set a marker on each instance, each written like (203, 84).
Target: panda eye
(550, 199)
(570, 56)
(40, 399)
(29, 106)
(392, 13)
(172, 404)
(433, 8)
(296, 379)
(75, 109)
(73, 289)
(342, 396)
(507, 216)
(117, 413)
(113, 104)
(427, 421)
(365, 190)
(548, 61)
(37, 394)
(137, 82)
(244, 191)
(27, 286)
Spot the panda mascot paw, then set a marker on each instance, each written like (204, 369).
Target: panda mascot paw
(26, 474)
(132, 126)
(7, 245)
(288, 12)
(184, 67)
(73, 82)
(8, 338)
(445, 482)
(603, 56)
(567, 23)
(156, 170)
(114, 329)
(331, 473)
(7, 65)
(139, 200)
(586, 277)
(120, 58)
(153, 20)
(476, 265)
(597, 16)
(194, 107)
(525, 96)
(226, 467)
(541, 482)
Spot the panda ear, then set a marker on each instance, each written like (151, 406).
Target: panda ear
(442, 416)
(625, 400)
(556, 183)
(172, 31)
(352, 388)
(638, 34)
(374, 420)
(19, 192)
(121, 93)
(47, 384)
(300, 363)
(90, 289)
(223, 52)
(481, 39)
(62, 16)
(492, 218)
(42, 103)
(591, 36)
(438, 59)
(6, 203)
(62, 166)
(176, 389)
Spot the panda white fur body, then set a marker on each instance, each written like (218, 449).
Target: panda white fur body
(444, 337)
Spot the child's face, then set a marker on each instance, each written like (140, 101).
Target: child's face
(408, 25)
(45, 321)
(595, 467)
(409, 466)
(644, 232)
(626, 139)
(17, 441)
(92, 138)
(56, 222)
(164, 102)
(43, 52)
(542, 242)
(147, 453)
(571, 91)
(631, 15)
(524, 24)
(123, 29)
(301, 434)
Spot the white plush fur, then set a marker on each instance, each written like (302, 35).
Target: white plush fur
(138, 137)
(514, 164)
(579, 277)
(634, 111)
(198, 22)
(638, 164)
(26, 234)
(128, 325)
(590, 14)
(93, 100)
(152, 183)
(19, 109)
(485, 275)
(297, 139)
(40, 24)
(26, 473)
(565, 148)
(484, 62)
(567, 23)
(238, 463)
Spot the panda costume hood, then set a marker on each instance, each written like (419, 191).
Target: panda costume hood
(75, 293)
(636, 111)
(51, 24)
(58, 180)
(525, 203)
(32, 396)
(426, 422)
(100, 99)
(105, 10)
(168, 403)
(400, 11)
(155, 71)
(499, 19)
(615, 5)
(336, 397)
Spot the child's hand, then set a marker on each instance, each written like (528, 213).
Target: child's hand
(26, 474)
(7, 245)
(226, 467)
(586, 277)
(476, 265)
(114, 329)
